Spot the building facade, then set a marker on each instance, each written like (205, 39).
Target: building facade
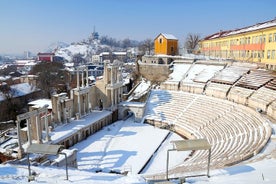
(49, 57)
(256, 43)
(166, 44)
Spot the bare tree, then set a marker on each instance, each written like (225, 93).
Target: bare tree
(9, 106)
(126, 43)
(51, 77)
(146, 47)
(191, 42)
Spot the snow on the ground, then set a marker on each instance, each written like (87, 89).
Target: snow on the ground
(254, 173)
(206, 71)
(179, 71)
(158, 163)
(10, 174)
(122, 146)
(71, 50)
(140, 90)
(67, 129)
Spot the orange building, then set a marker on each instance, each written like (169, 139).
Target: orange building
(166, 44)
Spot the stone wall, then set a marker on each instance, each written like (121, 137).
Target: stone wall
(154, 72)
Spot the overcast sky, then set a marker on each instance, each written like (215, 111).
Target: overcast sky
(32, 25)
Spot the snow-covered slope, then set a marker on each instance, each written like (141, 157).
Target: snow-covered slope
(84, 49)
(57, 45)
(68, 52)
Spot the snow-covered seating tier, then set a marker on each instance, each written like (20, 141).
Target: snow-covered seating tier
(262, 98)
(230, 75)
(235, 132)
(240, 95)
(255, 79)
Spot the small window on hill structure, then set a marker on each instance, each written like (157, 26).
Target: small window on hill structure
(160, 40)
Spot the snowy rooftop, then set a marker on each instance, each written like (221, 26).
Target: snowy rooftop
(255, 27)
(20, 90)
(41, 103)
(169, 36)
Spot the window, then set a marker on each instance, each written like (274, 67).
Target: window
(160, 40)
(270, 38)
(264, 38)
(255, 54)
(259, 54)
(274, 37)
(260, 39)
(268, 54)
(262, 56)
(273, 54)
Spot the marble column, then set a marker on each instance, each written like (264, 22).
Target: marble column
(20, 148)
(29, 131)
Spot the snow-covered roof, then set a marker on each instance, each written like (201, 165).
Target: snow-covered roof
(40, 103)
(20, 90)
(258, 26)
(4, 78)
(69, 64)
(169, 36)
(24, 61)
(114, 53)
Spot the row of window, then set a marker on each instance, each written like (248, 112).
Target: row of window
(244, 40)
(247, 54)
(271, 54)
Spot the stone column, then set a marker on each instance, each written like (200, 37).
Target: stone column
(112, 79)
(47, 126)
(82, 78)
(58, 110)
(112, 97)
(116, 102)
(87, 84)
(38, 129)
(20, 148)
(78, 79)
(64, 113)
(29, 131)
(84, 105)
(79, 102)
(120, 94)
(89, 103)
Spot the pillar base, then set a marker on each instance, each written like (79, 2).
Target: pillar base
(20, 153)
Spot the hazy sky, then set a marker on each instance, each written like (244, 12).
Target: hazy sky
(32, 25)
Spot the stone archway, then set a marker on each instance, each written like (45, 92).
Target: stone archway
(136, 108)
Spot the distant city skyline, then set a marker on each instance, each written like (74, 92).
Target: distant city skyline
(31, 25)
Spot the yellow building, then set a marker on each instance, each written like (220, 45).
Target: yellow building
(166, 44)
(255, 43)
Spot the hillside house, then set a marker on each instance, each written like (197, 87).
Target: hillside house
(166, 44)
(45, 57)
